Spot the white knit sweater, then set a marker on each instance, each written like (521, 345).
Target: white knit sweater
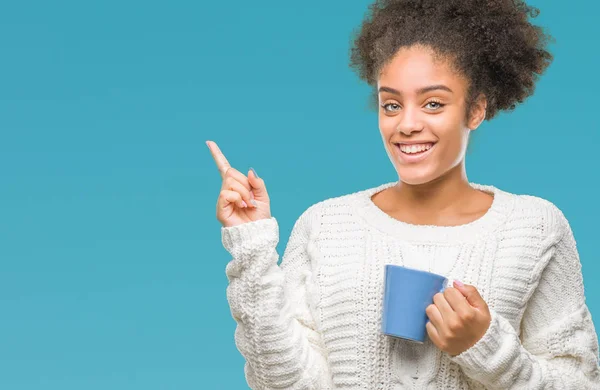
(314, 321)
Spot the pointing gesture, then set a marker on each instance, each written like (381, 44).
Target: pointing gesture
(242, 199)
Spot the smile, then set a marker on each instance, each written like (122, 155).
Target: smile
(409, 157)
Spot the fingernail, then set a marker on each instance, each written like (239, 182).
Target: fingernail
(253, 171)
(459, 283)
(253, 202)
(244, 204)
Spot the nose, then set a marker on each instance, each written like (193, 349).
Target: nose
(409, 121)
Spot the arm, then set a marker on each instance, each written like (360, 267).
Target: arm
(275, 331)
(558, 346)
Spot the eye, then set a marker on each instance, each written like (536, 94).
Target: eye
(386, 107)
(439, 105)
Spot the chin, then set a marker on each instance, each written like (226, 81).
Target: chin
(415, 181)
(416, 177)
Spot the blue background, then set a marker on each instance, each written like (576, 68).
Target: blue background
(112, 271)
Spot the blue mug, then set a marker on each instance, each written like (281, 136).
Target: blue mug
(407, 293)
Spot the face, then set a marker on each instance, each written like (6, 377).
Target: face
(422, 102)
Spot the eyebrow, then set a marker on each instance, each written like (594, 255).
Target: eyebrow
(419, 91)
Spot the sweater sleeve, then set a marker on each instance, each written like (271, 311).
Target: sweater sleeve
(276, 332)
(558, 344)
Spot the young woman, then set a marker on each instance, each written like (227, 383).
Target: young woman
(519, 321)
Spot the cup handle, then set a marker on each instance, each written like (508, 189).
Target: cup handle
(447, 283)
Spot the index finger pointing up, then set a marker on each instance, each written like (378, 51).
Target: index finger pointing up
(222, 163)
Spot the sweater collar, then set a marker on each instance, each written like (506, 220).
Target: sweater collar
(501, 206)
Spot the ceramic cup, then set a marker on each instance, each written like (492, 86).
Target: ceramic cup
(407, 293)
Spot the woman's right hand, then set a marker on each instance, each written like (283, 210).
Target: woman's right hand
(242, 199)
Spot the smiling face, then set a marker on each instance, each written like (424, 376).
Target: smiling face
(422, 100)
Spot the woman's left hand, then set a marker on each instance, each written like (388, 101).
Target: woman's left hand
(458, 318)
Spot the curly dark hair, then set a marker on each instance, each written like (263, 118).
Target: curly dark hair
(491, 42)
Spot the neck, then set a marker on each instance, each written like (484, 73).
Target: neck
(443, 195)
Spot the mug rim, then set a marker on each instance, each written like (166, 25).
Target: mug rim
(415, 270)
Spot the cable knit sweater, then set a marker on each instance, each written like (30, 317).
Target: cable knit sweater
(314, 322)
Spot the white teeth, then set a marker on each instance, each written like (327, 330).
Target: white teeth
(415, 148)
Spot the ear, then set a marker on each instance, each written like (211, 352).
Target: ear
(477, 114)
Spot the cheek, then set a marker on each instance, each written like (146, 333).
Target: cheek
(454, 147)
(447, 129)
(439, 124)
(387, 126)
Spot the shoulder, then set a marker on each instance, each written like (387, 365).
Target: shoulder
(345, 201)
(538, 213)
(337, 208)
(341, 200)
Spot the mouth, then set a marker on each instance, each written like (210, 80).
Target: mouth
(413, 155)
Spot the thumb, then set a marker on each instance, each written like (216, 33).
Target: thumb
(471, 293)
(258, 186)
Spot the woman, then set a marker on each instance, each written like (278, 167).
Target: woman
(519, 321)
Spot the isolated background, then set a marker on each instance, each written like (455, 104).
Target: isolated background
(112, 271)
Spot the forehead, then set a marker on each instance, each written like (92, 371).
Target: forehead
(415, 67)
